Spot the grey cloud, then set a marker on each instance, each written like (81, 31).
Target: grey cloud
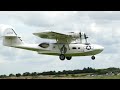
(81, 21)
(46, 19)
(101, 17)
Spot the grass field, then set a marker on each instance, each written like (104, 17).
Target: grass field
(69, 76)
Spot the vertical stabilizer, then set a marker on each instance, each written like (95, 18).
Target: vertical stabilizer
(10, 38)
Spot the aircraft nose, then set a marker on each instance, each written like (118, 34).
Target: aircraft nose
(98, 47)
(101, 48)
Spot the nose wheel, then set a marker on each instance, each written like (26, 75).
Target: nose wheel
(93, 57)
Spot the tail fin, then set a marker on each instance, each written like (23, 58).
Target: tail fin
(10, 38)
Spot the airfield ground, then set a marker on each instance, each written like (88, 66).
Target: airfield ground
(69, 76)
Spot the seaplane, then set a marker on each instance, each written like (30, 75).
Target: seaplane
(65, 45)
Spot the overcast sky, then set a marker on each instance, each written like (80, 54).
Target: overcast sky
(102, 27)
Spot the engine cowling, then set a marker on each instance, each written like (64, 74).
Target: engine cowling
(78, 35)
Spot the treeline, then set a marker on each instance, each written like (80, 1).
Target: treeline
(78, 71)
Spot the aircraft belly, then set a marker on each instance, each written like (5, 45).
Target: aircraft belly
(49, 52)
(89, 53)
(71, 52)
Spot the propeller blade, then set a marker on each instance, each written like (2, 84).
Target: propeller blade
(80, 37)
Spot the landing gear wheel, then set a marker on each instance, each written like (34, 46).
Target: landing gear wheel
(62, 57)
(93, 57)
(68, 58)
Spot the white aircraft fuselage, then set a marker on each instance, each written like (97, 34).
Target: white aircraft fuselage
(75, 49)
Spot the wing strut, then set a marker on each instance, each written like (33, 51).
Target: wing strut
(68, 45)
(57, 44)
(63, 48)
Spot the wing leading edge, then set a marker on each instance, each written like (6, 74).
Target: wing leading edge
(59, 37)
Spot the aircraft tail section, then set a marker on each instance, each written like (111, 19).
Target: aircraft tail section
(10, 38)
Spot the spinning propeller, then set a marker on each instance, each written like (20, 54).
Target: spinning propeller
(84, 36)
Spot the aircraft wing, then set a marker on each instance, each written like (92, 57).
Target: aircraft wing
(59, 37)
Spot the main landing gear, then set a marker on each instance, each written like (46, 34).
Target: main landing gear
(93, 57)
(69, 58)
(62, 57)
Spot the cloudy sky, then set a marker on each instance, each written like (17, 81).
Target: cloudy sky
(102, 27)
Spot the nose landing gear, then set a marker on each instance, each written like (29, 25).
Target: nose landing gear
(93, 57)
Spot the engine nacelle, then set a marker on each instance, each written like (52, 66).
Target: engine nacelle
(78, 35)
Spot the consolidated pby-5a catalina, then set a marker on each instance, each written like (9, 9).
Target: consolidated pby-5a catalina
(65, 46)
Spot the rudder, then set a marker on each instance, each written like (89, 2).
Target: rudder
(10, 38)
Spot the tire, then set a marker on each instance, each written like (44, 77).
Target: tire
(62, 57)
(68, 58)
(93, 57)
